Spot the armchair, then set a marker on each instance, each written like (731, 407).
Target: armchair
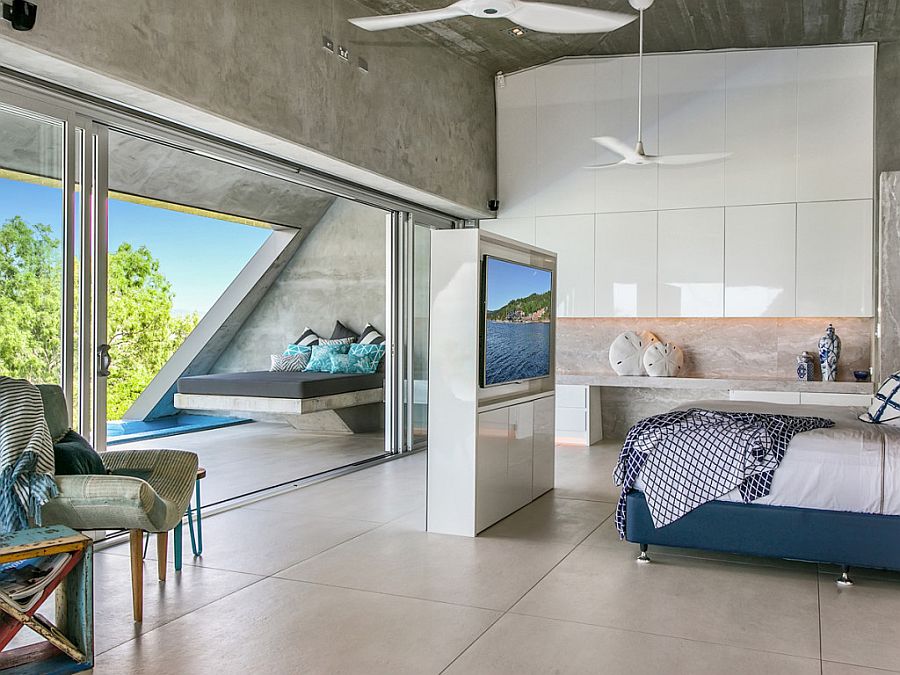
(145, 491)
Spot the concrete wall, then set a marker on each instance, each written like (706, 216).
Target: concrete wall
(420, 116)
(338, 273)
(887, 108)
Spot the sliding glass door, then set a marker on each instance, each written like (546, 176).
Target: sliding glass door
(51, 223)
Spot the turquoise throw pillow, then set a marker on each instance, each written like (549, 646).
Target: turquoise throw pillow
(352, 364)
(369, 351)
(294, 350)
(320, 361)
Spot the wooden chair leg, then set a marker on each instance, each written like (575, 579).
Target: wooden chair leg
(162, 548)
(136, 540)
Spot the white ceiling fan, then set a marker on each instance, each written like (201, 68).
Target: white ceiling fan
(543, 17)
(636, 156)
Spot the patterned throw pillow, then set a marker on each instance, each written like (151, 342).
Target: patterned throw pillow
(372, 352)
(293, 363)
(337, 341)
(297, 349)
(885, 408)
(307, 338)
(370, 336)
(352, 364)
(320, 361)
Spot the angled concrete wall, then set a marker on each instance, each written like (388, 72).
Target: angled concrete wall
(338, 273)
(420, 116)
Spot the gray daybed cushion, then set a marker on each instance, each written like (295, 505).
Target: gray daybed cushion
(278, 384)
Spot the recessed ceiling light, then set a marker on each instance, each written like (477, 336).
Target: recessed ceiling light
(517, 31)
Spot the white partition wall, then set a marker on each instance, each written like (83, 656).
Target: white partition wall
(796, 186)
(490, 450)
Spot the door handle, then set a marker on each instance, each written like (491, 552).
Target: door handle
(104, 360)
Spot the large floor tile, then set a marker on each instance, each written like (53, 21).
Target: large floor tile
(587, 472)
(740, 605)
(552, 518)
(262, 542)
(861, 625)
(482, 572)
(519, 645)
(831, 668)
(381, 499)
(279, 626)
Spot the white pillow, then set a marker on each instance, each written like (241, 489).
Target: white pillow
(663, 360)
(626, 352)
(885, 408)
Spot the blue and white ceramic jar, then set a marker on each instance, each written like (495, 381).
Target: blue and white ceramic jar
(805, 367)
(829, 353)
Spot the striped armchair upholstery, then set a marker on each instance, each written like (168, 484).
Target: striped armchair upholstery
(145, 491)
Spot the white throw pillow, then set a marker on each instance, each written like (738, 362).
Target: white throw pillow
(885, 408)
(663, 360)
(626, 352)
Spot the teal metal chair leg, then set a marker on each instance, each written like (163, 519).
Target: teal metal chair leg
(177, 544)
(196, 543)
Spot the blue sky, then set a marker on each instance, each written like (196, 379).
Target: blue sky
(199, 256)
(509, 281)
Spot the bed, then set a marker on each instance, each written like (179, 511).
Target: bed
(835, 498)
(350, 403)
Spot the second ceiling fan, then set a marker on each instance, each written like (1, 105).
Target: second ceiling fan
(636, 156)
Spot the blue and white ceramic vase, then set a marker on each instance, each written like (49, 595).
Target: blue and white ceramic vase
(829, 353)
(805, 367)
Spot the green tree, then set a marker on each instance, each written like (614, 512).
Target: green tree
(143, 332)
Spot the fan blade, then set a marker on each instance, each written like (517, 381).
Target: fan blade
(546, 17)
(618, 147)
(684, 160)
(597, 167)
(408, 19)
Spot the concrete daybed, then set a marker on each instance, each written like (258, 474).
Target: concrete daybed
(308, 401)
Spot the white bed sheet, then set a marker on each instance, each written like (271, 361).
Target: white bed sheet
(836, 469)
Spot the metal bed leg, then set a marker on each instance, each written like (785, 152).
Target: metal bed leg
(844, 580)
(643, 558)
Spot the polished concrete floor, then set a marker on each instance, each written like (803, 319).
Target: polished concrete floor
(249, 457)
(339, 577)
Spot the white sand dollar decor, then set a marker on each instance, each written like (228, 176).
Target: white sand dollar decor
(626, 352)
(663, 360)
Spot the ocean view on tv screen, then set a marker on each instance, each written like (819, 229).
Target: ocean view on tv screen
(516, 322)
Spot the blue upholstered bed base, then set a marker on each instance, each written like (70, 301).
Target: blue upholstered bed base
(838, 537)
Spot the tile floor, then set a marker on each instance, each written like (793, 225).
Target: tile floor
(340, 578)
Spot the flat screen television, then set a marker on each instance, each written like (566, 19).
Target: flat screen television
(516, 300)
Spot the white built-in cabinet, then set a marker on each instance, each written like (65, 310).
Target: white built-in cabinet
(782, 227)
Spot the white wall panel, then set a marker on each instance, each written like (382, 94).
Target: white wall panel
(691, 262)
(761, 127)
(835, 122)
(834, 258)
(626, 188)
(572, 238)
(517, 163)
(760, 260)
(566, 119)
(625, 264)
(520, 229)
(692, 120)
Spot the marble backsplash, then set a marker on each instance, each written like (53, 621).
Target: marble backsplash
(727, 348)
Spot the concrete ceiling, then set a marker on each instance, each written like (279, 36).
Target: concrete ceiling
(670, 25)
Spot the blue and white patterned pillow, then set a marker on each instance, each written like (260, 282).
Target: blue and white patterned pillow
(370, 336)
(292, 350)
(352, 364)
(307, 338)
(885, 408)
(374, 352)
(320, 360)
(293, 363)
